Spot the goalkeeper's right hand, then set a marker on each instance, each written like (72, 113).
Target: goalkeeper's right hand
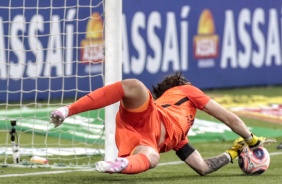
(255, 141)
(58, 116)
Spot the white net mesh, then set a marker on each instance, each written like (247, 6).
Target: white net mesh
(51, 53)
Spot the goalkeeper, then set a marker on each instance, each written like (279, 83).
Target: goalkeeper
(146, 127)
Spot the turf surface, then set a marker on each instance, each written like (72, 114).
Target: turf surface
(167, 174)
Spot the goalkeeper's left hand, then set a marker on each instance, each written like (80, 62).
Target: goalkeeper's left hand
(255, 141)
(58, 116)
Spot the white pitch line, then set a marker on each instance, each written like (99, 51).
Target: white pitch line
(35, 173)
(88, 170)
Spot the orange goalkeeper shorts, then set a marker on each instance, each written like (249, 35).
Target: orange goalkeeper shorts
(137, 127)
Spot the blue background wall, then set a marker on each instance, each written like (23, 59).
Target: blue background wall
(249, 41)
(216, 44)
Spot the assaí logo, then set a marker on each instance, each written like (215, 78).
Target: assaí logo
(206, 44)
(93, 45)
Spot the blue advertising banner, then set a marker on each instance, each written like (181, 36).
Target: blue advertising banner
(48, 49)
(216, 44)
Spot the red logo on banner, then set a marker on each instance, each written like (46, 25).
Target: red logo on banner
(206, 42)
(92, 48)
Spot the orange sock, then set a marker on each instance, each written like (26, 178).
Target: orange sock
(136, 164)
(99, 98)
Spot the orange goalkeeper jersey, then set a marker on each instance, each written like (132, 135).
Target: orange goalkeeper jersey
(176, 109)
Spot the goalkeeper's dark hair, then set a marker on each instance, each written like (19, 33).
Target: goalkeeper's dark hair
(169, 82)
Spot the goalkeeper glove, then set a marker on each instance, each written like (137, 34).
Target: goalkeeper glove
(236, 148)
(255, 141)
(59, 115)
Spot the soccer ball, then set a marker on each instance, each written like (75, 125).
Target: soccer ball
(254, 161)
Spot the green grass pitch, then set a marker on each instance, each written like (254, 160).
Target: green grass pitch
(170, 170)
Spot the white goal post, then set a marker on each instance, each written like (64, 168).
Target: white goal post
(113, 64)
(51, 54)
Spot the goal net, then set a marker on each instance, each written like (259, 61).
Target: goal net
(52, 53)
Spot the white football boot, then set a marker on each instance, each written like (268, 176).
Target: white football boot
(115, 166)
